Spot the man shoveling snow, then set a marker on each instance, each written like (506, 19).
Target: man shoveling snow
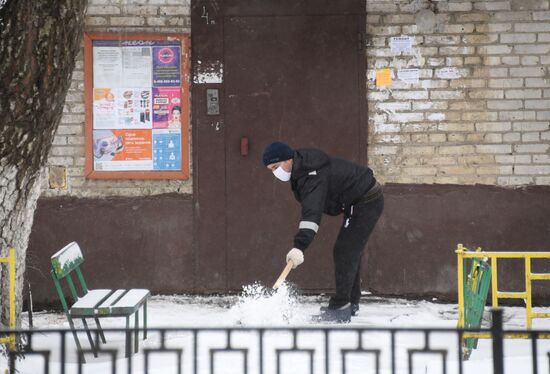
(326, 184)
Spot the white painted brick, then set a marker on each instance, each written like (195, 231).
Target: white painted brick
(436, 61)
(127, 21)
(505, 104)
(541, 159)
(486, 94)
(501, 148)
(441, 39)
(516, 116)
(458, 126)
(480, 116)
(545, 135)
(406, 117)
(446, 95)
(399, 18)
(387, 127)
(465, 6)
(378, 95)
(177, 10)
(523, 94)
(435, 117)
(491, 60)
(456, 150)
(480, 39)
(530, 60)
(394, 106)
(410, 95)
(67, 151)
(518, 38)
(492, 138)
(459, 50)
(156, 21)
(512, 16)
(458, 29)
(506, 83)
(420, 170)
(437, 138)
(514, 181)
(418, 150)
(467, 105)
(530, 137)
(473, 17)
(532, 170)
(532, 27)
(528, 72)
(427, 105)
(513, 159)
(541, 16)
(529, 4)
(544, 38)
(537, 104)
(492, 5)
(532, 49)
(543, 115)
(493, 27)
(384, 150)
(489, 71)
(531, 148)
(102, 10)
(510, 60)
(467, 83)
(72, 118)
(383, 30)
(542, 181)
(494, 50)
(472, 60)
(456, 138)
(531, 126)
(60, 160)
(511, 137)
(386, 7)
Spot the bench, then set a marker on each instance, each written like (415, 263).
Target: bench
(98, 303)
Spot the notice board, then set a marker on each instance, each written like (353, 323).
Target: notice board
(136, 94)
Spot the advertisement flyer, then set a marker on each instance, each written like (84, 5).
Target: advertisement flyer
(137, 105)
(166, 66)
(166, 107)
(122, 108)
(122, 150)
(167, 149)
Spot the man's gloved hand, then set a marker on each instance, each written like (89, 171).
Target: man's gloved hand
(296, 256)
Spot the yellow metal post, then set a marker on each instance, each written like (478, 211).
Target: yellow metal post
(460, 270)
(528, 299)
(12, 296)
(494, 281)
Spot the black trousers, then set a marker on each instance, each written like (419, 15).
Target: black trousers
(359, 222)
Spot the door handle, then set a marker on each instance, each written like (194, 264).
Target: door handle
(244, 146)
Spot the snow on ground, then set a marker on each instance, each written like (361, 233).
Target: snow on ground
(258, 307)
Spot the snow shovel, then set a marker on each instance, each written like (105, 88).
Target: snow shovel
(283, 275)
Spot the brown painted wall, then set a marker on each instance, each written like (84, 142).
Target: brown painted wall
(412, 250)
(148, 242)
(126, 242)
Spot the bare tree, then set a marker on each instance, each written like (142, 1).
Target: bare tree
(39, 40)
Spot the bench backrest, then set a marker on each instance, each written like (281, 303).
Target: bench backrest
(66, 260)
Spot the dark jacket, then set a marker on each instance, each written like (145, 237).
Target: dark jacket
(324, 184)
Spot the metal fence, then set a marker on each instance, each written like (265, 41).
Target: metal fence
(317, 349)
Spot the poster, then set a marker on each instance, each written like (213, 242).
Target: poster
(166, 149)
(137, 105)
(122, 108)
(400, 44)
(410, 75)
(166, 108)
(166, 66)
(122, 150)
(448, 73)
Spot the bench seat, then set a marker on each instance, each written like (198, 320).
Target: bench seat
(86, 305)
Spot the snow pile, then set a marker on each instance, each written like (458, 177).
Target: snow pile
(259, 305)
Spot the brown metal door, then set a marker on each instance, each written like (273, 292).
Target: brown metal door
(296, 79)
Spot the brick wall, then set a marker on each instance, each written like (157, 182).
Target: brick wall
(67, 154)
(489, 126)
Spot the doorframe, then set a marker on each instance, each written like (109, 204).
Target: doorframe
(208, 131)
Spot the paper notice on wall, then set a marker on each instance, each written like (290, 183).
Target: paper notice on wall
(136, 66)
(410, 75)
(400, 44)
(383, 77)
(122, 108)
(107, 66)
(448, 73)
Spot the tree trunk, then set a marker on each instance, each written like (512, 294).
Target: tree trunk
(39, 40)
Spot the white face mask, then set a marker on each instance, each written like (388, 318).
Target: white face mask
(281, 174)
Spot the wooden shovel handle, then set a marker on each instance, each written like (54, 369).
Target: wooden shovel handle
(283, 275)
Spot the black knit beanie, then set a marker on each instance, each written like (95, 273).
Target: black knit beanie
(276, 152)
